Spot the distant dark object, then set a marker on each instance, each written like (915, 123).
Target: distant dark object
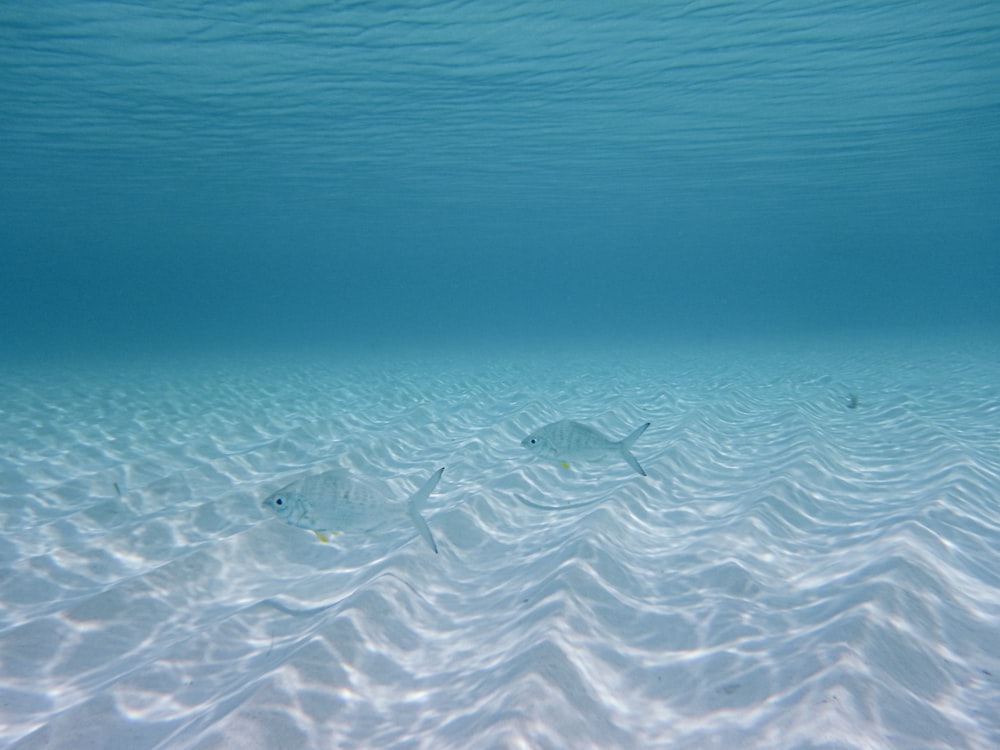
(852, 402)
(118, 490)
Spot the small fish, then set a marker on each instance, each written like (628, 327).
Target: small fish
(335, 501)
(567, 440)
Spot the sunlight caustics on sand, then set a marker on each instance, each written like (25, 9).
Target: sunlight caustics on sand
(812, 559)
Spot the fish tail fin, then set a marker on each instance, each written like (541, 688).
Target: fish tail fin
(627, 443)
(416, 504)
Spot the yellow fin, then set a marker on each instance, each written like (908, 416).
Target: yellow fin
(564, 464)
(322, 536)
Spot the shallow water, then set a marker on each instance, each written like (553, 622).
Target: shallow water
(811, 562)
(244, 242)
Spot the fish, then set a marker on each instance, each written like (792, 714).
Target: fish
(337, 501)
(567, 440)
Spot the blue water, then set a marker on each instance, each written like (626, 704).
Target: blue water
(241, 175)
(246, 242)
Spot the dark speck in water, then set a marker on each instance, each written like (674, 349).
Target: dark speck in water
(852, 402)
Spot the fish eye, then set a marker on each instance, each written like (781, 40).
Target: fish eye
(533, 441)
(279, 501)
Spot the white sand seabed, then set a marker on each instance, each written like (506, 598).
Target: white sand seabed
(813, 560)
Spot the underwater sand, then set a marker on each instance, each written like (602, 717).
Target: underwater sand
(813, 560)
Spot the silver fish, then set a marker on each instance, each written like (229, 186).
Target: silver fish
(336, 501)
(567, 440)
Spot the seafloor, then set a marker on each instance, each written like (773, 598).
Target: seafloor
(813, 560)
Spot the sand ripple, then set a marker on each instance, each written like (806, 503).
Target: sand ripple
(813, 559)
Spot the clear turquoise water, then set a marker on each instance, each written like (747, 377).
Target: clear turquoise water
(811, 561)
(242, 242)
(242, 175)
